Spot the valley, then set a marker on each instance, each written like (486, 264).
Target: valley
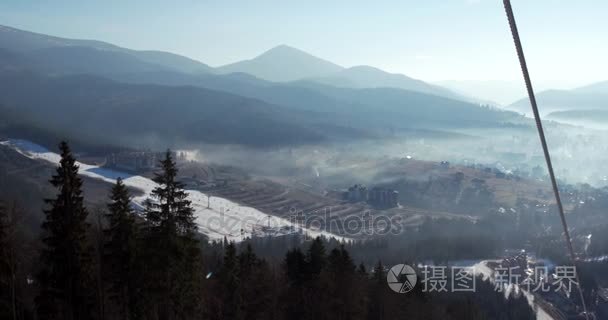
(284, 185)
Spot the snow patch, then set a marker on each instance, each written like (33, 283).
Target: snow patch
(216, 217)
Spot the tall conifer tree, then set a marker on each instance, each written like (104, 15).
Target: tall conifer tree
(120, 249)
(174, 265)
(65, 278)
(231, 283)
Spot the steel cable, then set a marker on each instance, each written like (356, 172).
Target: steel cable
(543, 141)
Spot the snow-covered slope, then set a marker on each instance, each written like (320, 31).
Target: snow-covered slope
(222, 218)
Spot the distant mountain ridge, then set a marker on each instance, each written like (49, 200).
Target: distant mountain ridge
(600, 87)
(590, 97)
(233, 108)
(97, 109)
(493, 92)
(371, 77)
(20, 40)
(279, 64)
(287, 64)
(282, 64)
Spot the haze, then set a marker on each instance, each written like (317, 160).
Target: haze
(429, 40)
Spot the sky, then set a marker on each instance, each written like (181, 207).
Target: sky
(564, 41)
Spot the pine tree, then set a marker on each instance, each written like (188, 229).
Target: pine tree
(170, 211)
(120, 251)
(295, 267)
(314, 289)
(230, 281)
(173, 255)
(362, 270)
(295, 270)
(376, 293)
(379, 273)
(256, 286)
(316, 257)
(344, 296)
(65, 277)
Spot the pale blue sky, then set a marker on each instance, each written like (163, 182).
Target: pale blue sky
(565, 41)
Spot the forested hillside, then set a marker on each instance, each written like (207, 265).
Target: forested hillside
(116, 263)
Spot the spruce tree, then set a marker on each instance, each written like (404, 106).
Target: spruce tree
(362, 270)
(377, 293)
(344, 290)
(295, 267)
(65, 275)
(316, 257)
(379, 275)
(169, 211)
(256, 286)
(231, 282)
(173, 255)
(120, 249)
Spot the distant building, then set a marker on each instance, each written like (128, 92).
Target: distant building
(356, 193)
(383, 197)
(377, 196)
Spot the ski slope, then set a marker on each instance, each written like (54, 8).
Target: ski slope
(216, 217)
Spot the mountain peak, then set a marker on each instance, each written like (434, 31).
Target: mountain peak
(283, 63)
(365, 68)
(284, 47)
(285, 51)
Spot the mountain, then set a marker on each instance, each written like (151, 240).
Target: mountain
(491, 92)
(398, 108)
(370, 109)
(597, 87)
(586, 106)
(57, 55)
(11, 61)
(598, 116)
(105, 111)
(282, 64)
(594, 119)
(591, 97)
(370, 77)
(25, 41)
(304, 111)
(287, 64)
(87, 60)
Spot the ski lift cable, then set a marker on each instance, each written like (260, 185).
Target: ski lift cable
(543, 141)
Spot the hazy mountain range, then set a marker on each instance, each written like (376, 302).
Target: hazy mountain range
(494, 92)
(282, 64)
(25, 41)
(584, 103)
(282, 97)
(279, 64)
